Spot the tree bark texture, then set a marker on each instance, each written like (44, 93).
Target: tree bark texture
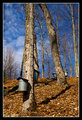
(28, 96)
(75, 44)
(54, 49)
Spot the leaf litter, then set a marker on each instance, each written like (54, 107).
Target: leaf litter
(51, 100)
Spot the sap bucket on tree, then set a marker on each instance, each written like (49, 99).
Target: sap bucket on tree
(36, 74)
(66, 74)
(54, 75)
(23, 84)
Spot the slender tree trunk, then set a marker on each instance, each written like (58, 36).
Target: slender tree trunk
(70, 68)
(54, 49)
(65, 52)
(65, 60)
(48, 69)
(42, 54)
(22, 62)
(75, 44)
(10, 73)
(70, 63)
(48, 64)
(36, 65)
(28, 96)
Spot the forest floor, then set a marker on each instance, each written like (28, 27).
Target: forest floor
(51, 100)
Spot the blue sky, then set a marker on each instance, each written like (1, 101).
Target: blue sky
(14, 31)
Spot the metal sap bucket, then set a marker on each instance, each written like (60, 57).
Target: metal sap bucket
(23, 84)
(54, 75)
(36, 74)
(66, 74)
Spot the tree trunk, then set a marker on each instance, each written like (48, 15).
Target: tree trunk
(22, 63)
(28, 96)
(65, 60)
(70, 70)
(70, 63)
(65, 45)
(54, 49)
(42, 54)
(36, 65)
(48, 64)
(75, 44)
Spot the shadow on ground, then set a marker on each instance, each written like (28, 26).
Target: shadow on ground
(48, 99)
(12, 90)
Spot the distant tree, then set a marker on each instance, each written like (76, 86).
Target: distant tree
(47, 54)
(10, 66)
(75, 43)
(64, 49)
(39, 24)
(16, 70)
(68, 12)
(54, 48)
(56, 23)
(36, 64)
(8, 62)
(47, 61)
(69, 58)
(22, 63)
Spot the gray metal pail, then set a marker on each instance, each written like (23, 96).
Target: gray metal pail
(54, 75)
(23, 84)
(36, 74)
(66, 74)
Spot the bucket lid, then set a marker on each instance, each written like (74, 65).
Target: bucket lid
(22, 79)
